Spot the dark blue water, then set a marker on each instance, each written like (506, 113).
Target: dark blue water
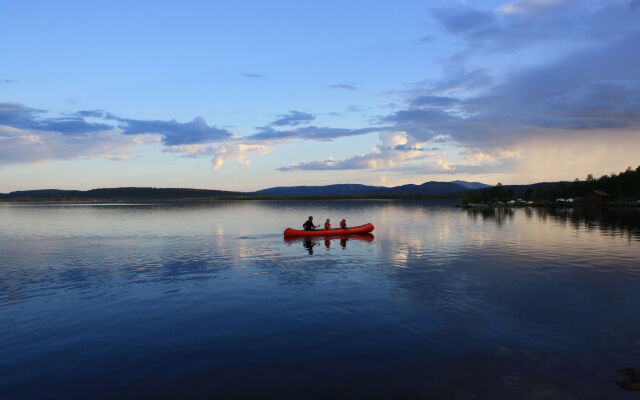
(209, 301)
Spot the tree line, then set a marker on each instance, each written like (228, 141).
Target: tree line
(622, 186)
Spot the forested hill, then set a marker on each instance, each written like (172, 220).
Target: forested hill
(622, 186)
(625, 185)
(124, 193)
(151, 194)
(431, 187)
(322, 190)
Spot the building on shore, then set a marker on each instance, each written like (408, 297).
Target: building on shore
(597, 197)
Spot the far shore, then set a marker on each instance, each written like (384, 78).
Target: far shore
(459, 197)
(61, 199)
(550, 204)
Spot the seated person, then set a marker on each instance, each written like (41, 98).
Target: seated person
(327, 224)
(309, 226)
(343, 224)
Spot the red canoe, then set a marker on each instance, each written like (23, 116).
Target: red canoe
(366, 228)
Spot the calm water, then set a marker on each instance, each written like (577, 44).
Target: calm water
(208, 301)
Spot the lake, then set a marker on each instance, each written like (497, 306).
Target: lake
(148, 301)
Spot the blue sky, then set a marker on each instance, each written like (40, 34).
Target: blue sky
(243, 95)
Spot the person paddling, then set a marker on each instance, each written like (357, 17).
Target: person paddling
(327, 224)
(343, 224)
(309, 226)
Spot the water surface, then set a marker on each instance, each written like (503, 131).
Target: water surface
(129, 301)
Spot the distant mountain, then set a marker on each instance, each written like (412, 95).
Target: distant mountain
(431, 187)
(167, 194)
(38, 191)
(124, 193)
(346, 188)
(472, 185)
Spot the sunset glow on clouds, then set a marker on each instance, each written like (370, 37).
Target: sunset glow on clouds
(517, 91)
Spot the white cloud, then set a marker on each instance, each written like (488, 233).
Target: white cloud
(495, 156)
(238, 152)
(395, 149)
(29, 146)
(530, 7)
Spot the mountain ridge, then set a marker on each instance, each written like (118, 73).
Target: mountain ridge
(430, 187)
(151, 193)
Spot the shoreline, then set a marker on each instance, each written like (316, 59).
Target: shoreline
(404, 197)
(458, 196)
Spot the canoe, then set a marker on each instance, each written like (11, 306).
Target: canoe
(366, 228)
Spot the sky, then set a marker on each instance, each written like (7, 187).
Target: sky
(245, 95)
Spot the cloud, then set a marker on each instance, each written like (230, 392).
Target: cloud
(116, 158)
(293, 118)
(236, 150)
(594, 105)
(190, 150)
(434, 101)
(587, 90)
(395, 149)
(19, 116)
(252, 75)
(465, 20)
(427, 39)
(90, 131)
(174, 132)
(344, 86)
(524, 72)
(32, 146)
(29, 134)
(399, 152)
(495, 115)
(474, 163)
(526, 23)
(496, 156)
(442, 167)
(321, 134)
(8, 81)
(532, 7)
(423, 116)
(94, 114)
(457, 79)
(553, 157)
(462, 80)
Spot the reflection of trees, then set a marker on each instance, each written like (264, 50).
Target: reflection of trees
(499, 214)
(614, 221)
(528, 212)
(609, 220)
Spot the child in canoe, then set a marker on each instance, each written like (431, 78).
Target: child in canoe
(327, 224)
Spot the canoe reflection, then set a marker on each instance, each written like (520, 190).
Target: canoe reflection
(309, 242)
